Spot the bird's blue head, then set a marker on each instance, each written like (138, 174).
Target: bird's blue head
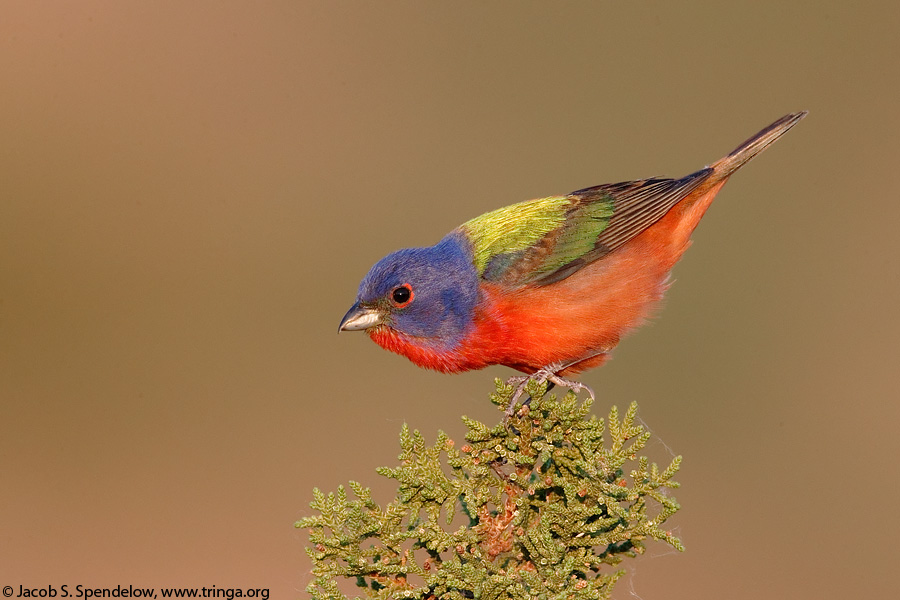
(423, 293)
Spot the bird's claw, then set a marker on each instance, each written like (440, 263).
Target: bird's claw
(547, 374)
(575, 386)
(519, 382)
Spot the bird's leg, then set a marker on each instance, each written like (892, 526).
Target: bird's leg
(520, 382)
(575, 386)
(527, 401)
(548, 374)
(542, 375)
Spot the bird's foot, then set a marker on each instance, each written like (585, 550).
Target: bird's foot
(575, 386)
(519, 382)
(546, 374)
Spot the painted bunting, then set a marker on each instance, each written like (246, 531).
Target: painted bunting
(546, 286)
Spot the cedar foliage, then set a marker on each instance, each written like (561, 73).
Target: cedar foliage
(544, 505)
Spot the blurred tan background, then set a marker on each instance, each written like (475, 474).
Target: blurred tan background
(190, 193)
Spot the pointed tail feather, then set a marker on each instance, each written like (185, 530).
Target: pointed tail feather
(753, 146)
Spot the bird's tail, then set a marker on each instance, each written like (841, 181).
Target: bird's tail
(753, 146)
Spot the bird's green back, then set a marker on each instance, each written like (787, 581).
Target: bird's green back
(542, 241)
(525, 242)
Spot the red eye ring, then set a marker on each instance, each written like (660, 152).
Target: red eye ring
(402, 295)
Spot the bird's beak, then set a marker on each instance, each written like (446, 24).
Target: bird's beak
(360, 317)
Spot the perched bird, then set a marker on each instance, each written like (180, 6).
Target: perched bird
(546, 286)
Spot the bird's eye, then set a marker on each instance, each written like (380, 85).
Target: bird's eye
(401, 296)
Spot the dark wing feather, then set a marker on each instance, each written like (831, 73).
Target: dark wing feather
(636, 206)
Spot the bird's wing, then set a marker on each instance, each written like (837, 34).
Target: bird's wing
(539, 242)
